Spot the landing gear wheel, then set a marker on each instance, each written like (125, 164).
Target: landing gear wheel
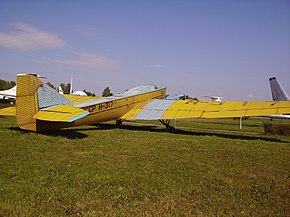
(166, 123)
(119, 122)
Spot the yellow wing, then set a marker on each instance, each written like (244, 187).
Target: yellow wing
(170, 109)
(9, 111)
(61, 113)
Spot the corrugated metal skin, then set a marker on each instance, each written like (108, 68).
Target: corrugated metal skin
(26, 101)
(48, 97)
(143, 89)
(191, 109)
(94, 102)
(154, 110)
(206, 109)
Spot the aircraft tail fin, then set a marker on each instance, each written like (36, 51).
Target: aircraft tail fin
(32, 96)
(278, 93)
(71, 86)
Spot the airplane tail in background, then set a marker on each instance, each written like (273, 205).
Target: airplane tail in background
(71, 86)
(32, 96)
(278, 93)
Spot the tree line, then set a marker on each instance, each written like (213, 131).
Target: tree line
(4, 85)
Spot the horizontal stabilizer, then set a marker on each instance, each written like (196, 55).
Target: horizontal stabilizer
(9, 111)
(181, 109)
(61, 113)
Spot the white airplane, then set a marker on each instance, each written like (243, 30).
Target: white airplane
(76, 97)
(71, 92)
(9, 94)
(214, 98)
(79, 93)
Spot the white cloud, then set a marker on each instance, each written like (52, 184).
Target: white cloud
(89, 60)
(157, 66)
(29, 38)
(250, 95)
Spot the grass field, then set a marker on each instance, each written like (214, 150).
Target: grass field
(145, 171)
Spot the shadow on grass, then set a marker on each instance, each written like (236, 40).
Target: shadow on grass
(65, 133)
(229, 123)
(76, 133)
(154, 128)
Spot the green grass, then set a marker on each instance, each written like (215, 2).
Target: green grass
(144, 171)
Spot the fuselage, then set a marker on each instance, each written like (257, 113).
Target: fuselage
(113, 108)
(107, 108)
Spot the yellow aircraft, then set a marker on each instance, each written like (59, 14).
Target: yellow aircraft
(41, 108)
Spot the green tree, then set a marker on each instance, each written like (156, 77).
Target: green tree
(4, 85)
(51, 85)
(65, 88)
(89, 93)
(107, 92)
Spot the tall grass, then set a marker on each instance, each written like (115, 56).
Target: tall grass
(142, 171)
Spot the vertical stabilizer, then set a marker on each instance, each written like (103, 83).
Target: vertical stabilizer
(26, 101)
(71, 86)
(33, 95)
(278, 93)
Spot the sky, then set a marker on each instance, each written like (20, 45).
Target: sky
(225, 48)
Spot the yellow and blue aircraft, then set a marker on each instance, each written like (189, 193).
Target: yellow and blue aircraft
(41, 108)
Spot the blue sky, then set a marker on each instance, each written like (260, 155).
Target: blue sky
(227, 48)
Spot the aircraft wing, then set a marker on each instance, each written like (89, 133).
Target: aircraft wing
(8, 94)
(9, 111)
(61, 113)
(181, 109)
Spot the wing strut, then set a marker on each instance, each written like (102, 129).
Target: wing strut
(166, 123)
(119, 122)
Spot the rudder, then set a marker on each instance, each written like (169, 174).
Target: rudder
(26, 101)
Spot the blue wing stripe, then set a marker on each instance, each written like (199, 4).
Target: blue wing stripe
(78, 117)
